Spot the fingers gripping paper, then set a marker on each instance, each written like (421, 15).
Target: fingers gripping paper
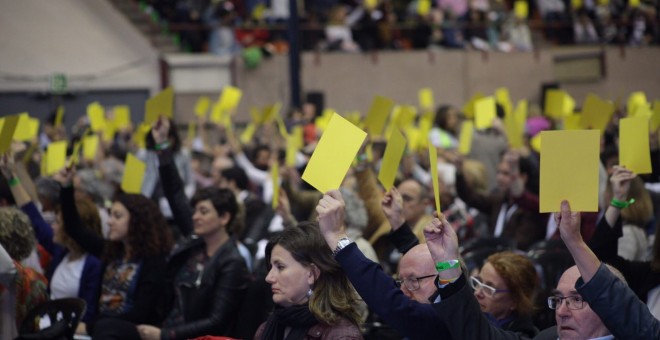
(333, 155)
(569, 169)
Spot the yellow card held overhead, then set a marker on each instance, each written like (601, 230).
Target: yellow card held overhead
(569, 169)
(121, 117)
(521, 9)
(394, 150)
(96, 116)
(90, 146)
(426, 101)
(596, 113)
(59, 116)
(334, 154)
(159, 105)
(134, 170)
(634, 151)
(558, 103)
(275, 179)
(465, 139)
(485, 113)
(433, 164)
(655, 118)
(7, 132)
(573, 122)
(230, 98)
(380, 110)
(503, 98)
(202, 106)
(56, 157)
(423, 7)
(635, 99)
(468, 108)
(27, 128)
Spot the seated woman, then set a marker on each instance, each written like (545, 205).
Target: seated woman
(134, 257)
(72, 272)
(505, 290)
(207, 275)
(313, 296)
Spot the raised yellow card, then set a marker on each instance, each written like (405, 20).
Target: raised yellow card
(56, 157)
(514, 133)
(27, 128)
(404, 116)
(121, 117)
(59, 116)
(90, 147)
(426, 101)
(655, 118)
(634, 3)
(380, 110)
(413, 136)
(423, 7)
(202, 106)
(596, 113)
(558, 103)
(503, 98)
(535, 143)
(275, 179)
(230, 98)
(465, 138)
(140, 135)
(573, 122)
(396, 145)
(635, 99)
(468, 108)
(634, 151)
(575, 4)
(520, 115)
(569, 169)
(75, 154)
(160, 105)
(334, 154)
(485, 112)
(642, 111)
(248, 133)
(270, 112)
(370, 4)
(7, 132)
(134, 170)
(96, 116)
(521, 9)
(433, 164)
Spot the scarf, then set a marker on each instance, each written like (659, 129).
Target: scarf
(299, 318)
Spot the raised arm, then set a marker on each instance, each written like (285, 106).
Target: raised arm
(401, 236)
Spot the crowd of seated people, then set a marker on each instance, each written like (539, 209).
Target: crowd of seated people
(203, 249)
(227, 26)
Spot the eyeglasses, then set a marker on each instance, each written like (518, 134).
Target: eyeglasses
(572, 302)
(475, 283)
(413, 283)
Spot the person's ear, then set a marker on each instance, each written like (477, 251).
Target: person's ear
(313, 274)
(224, 218)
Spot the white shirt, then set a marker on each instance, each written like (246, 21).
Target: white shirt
(66, 279)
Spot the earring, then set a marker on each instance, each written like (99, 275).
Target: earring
(310, 292)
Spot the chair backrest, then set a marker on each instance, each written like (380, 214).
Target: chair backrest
(56, 319)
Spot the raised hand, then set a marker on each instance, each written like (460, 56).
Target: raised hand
(331, 217)
(7, 165)
(569, 224)
(284, 208)
(443, 243)
(160, 130)
(65, 176)
(620, 181)
(392, 204)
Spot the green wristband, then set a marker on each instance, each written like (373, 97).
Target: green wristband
(162, 146)
(621, 204)
(14, 181)
(451, 264)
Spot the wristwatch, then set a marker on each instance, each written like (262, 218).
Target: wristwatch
(341, 244)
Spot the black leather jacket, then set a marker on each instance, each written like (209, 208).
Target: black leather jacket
(211, 305)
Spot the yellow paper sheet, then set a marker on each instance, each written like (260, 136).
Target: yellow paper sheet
(140, 135)
(294, 142)
(275, 178)
(90, 147)
(535, 143)
(433, 164)
(270, 112)
(27, 128)
(380, 110)
(520, 115)
(404, 116)
(485, 112)
(75, 155)
(43, 164)
(468, 108)
(159, 105)
(569, 170)
(558, 103)
(634, 151)
(514, 134)
(255, 115)
(248, 133)
(655, 118)
(56, 157)
(134, 171)
(596, 113)
(96, 116)
(634, 3)
(230, 98)
(7, 132)
(412, 134)
(642, 111)
(465, 138)
(396, 145)
(216, 113)
(575, 4)
(573, 122)
(521, 9)
(503, 98)
(354, 117)
(426, 101)
(202, 106)
(635, 99)
(370, 4)
(59, 116)
(423, 7)
(333, 155)
(121, 117)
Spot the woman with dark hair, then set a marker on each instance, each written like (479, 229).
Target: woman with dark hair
(206, 274)
(505, 289)
(134, 260)
(313, 296)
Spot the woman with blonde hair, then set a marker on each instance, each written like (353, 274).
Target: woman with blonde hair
(313, 296)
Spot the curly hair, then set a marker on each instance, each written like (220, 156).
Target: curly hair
(520, 276)
(148, 232)
(16, 234)
(333, 296)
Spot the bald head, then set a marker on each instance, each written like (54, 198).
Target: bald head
(416, 263)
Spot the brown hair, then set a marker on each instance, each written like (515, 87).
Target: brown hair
(333, 296)
(520, 276)
(641, 212)
(148, 232)
(89, 215)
